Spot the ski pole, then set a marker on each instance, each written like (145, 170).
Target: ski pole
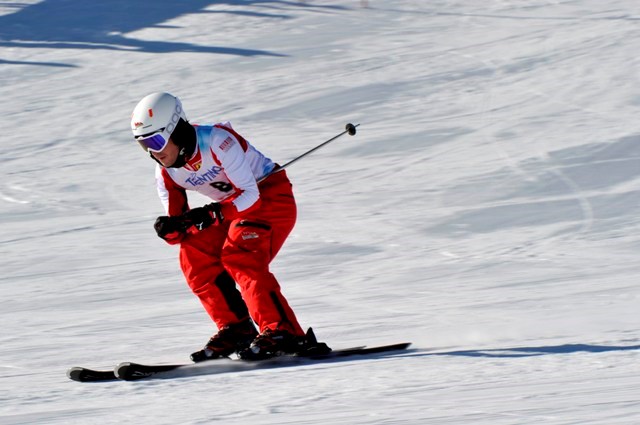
(349, 128)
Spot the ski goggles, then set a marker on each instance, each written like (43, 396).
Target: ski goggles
(154, 142)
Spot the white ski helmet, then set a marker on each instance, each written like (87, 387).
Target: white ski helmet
(154, 118)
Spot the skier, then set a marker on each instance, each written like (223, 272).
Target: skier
(229, 241)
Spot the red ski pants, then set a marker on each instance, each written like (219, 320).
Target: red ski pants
(240, 251)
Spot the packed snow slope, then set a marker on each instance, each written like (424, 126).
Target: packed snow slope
(488, 210)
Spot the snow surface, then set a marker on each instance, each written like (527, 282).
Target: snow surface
(487, 210)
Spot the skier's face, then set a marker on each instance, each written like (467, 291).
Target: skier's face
(168, 155)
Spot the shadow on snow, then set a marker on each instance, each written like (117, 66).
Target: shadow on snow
(79, 24)
(534, 351)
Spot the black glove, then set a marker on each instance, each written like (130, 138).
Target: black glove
(203, 217)
(169, 228)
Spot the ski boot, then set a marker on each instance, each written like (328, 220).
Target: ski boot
(230, 339)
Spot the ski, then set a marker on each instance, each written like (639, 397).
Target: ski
(129, 371)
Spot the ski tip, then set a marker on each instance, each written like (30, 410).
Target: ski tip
(82, 374)
(129, 371)
(123, 371)
(75, 373)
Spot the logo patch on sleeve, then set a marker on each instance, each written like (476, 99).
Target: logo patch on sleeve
(228, 142)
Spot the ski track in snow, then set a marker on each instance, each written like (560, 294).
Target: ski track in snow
(487, 209)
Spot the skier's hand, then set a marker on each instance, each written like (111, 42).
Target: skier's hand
(203, 217)
(171, 229)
